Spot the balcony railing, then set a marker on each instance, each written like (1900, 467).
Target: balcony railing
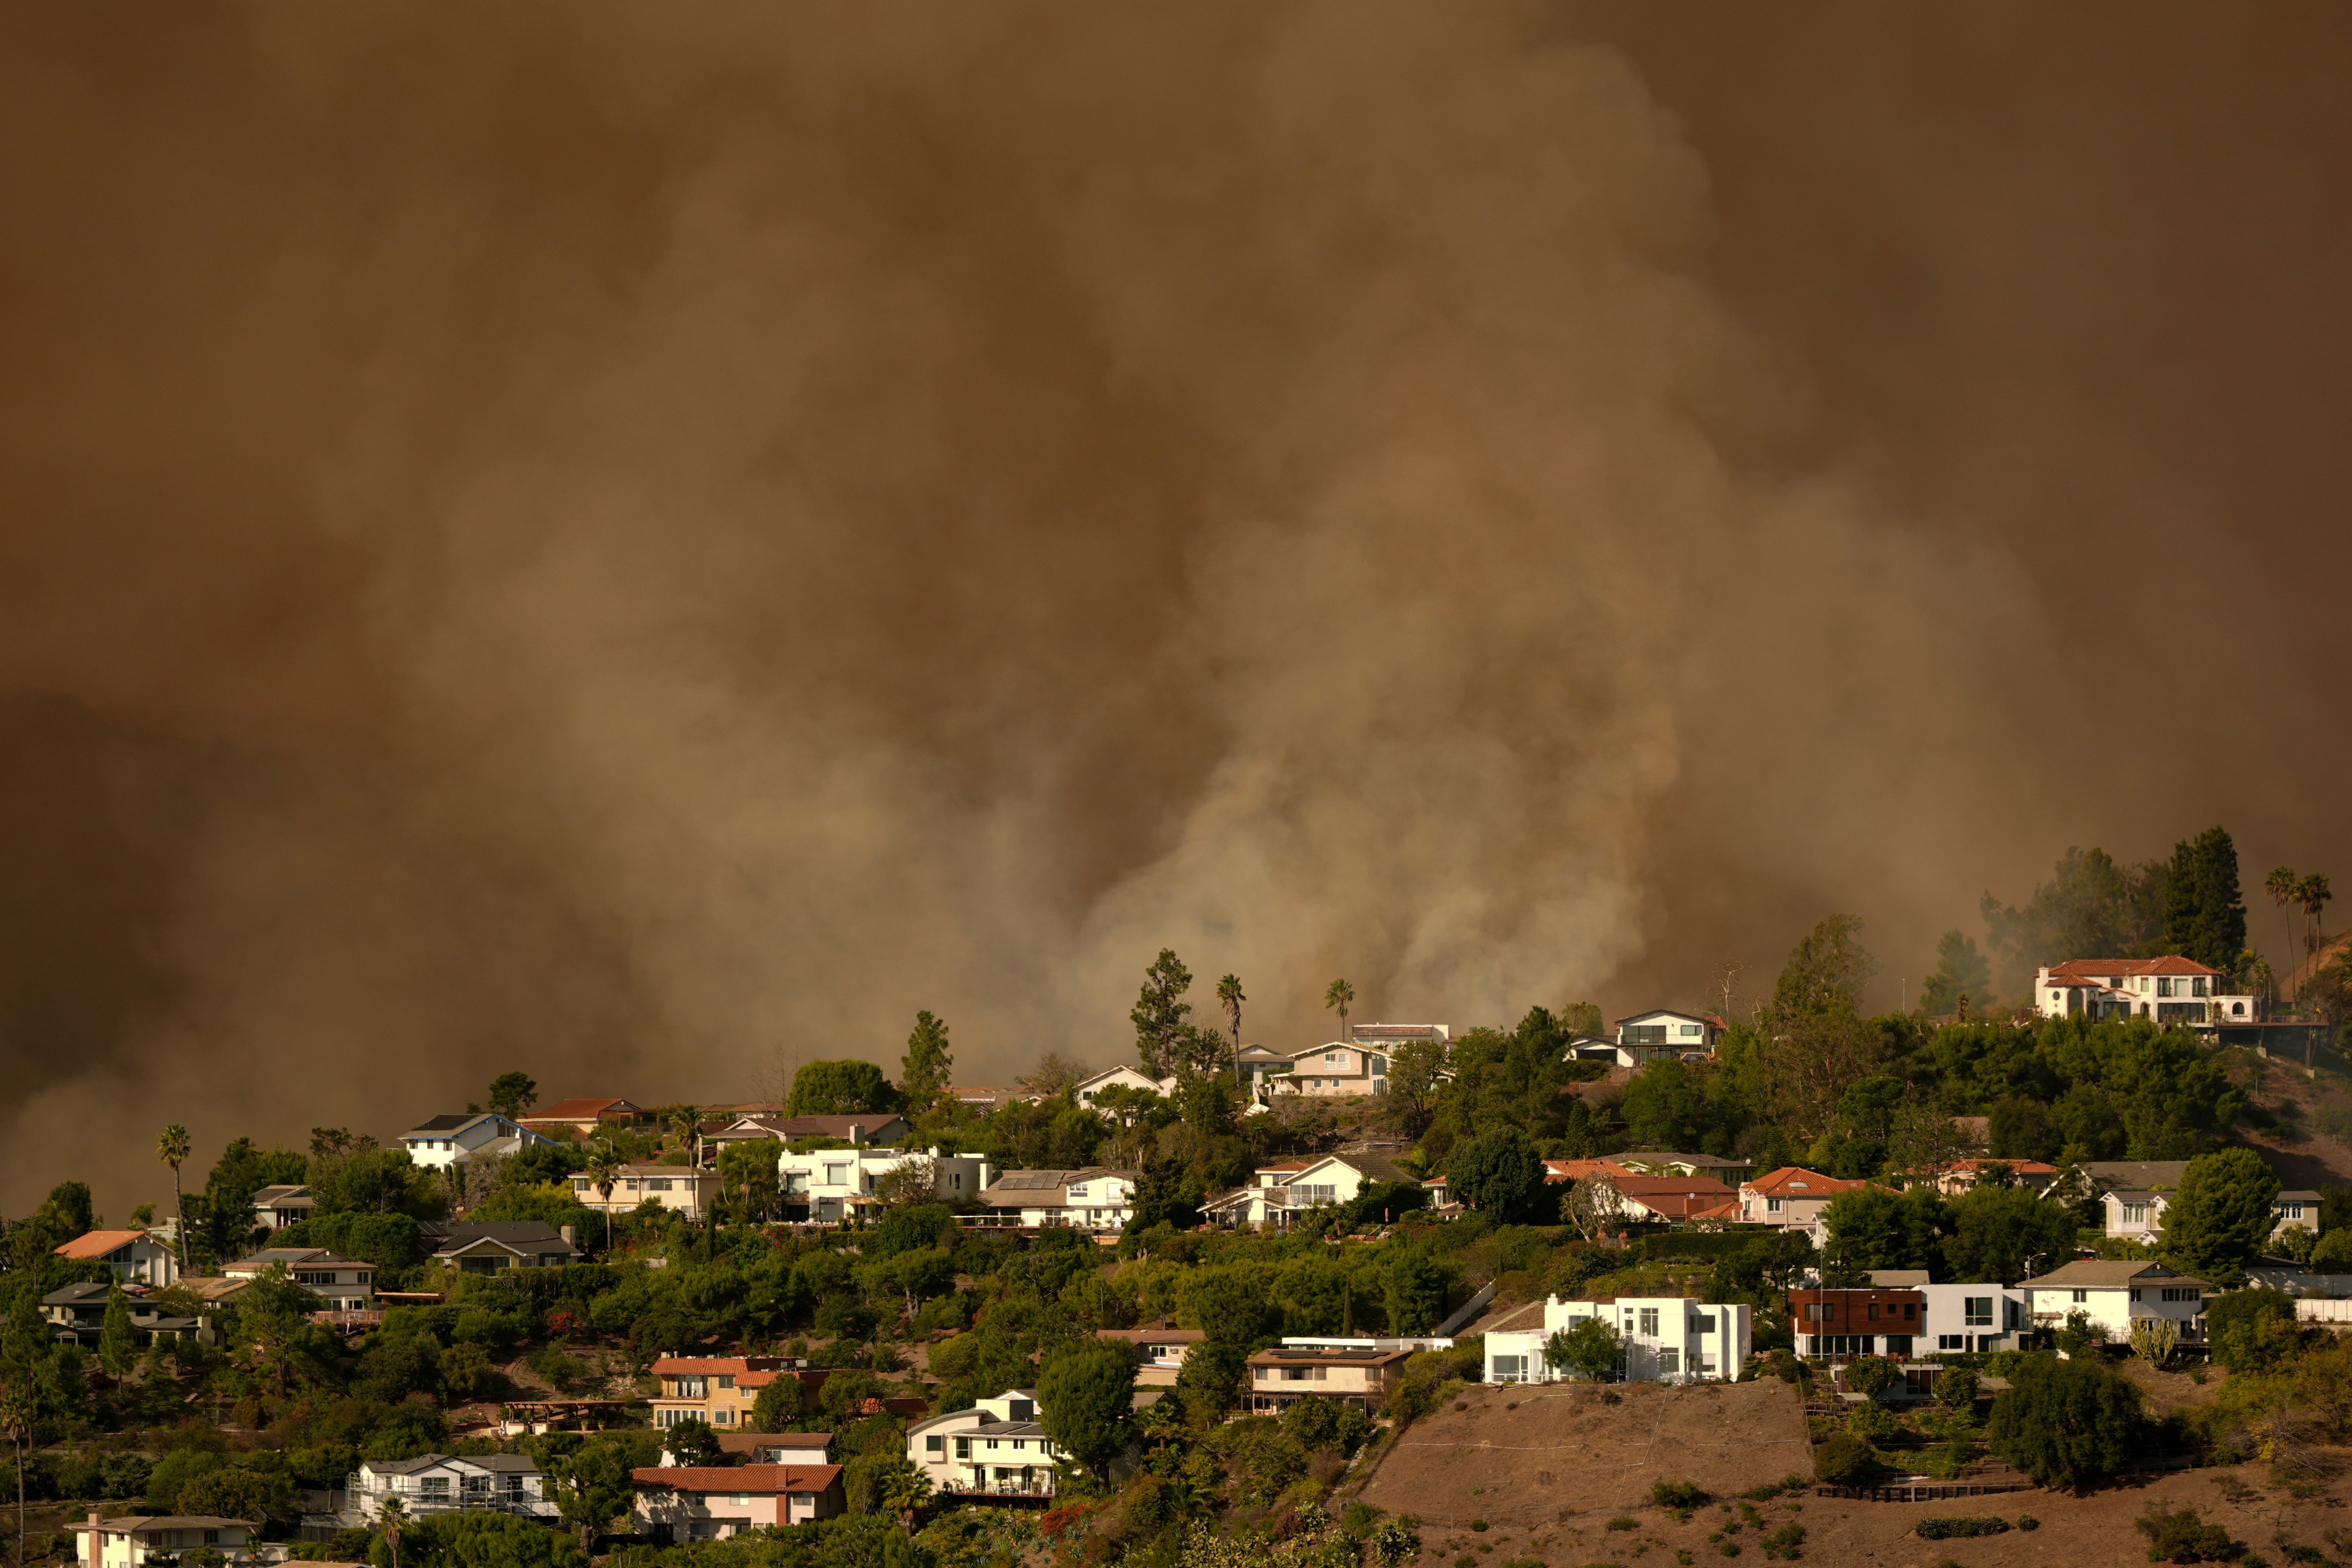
(367, 1503)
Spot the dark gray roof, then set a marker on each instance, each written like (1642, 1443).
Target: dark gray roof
(447, 1123)
(74, 1294)
(1031, 1181)
(522, 1235)
(2137, 1174)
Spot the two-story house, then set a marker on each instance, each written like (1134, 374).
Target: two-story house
(1660, 1339)
(1259, 1066)
(137, 1540)
(830, 1184)
(1837, 1324)
(1361, 1375)
(1094, 1199)
(481, 1136)
(698, 1502)
(444, 1483)
(132, 1255)
(720, 1390)
(589, 1119)
(1663, 1034)
(1283, 1190)
(1159, 1351)
(2295, 1208)
(276, 1207)
(78, 1312)
(881, 1129)
(1972, 1319)
(1731, 1173)
(1790, 1198)
(341, 1284)
(2171, 990)
(2113, 1293)
(996, 1448)
(1338, 1068)
(1964, 1175)
(686, 1189)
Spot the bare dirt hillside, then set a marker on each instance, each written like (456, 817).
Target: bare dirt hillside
(1519, 1455)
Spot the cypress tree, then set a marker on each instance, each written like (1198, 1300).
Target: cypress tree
(116, 1350)
(2204, 917)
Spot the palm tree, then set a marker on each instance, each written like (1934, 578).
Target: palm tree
(686, 1126)
(173, 1148)
(603, 1174)
(395, 1513)
(2280, 886)
(1337, 999)
(17, 1420)
(2312, 893)
(1229, 991)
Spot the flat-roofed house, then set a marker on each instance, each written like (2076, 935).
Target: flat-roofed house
(1835, 1324)
(135, 1540)
(1664, 1035)
(1660, 1339)
(1360, 1375)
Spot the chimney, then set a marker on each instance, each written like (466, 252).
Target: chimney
(566, 1234)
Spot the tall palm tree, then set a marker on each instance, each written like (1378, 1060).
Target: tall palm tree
(393, 1513)
(173, 1148)
(16, 1412)
(1337, 999)
(603, 1174)
(1229, 993)
(2311, 892)
(2280, 886)
(686, 1126)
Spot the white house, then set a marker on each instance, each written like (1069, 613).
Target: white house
(1335, 1068)
(997, 1449)
(1285, 1189)
(1095, 1199)
(1965, 1318)
(696, 1502)
(275, 1208)
(133, 1255)
(1121, 1077)
(1663, 1035)
(442, 1483)
(2171, 990)
(139, 1539)
(1660, 1339)
(341, 1284)
(2112, 1293)
(688, 1189)
(834, 1184)
(1592, 1048)
(482, 1136)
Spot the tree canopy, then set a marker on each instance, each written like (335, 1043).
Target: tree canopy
(843, 1088)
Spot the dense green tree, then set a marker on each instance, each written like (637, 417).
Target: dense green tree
(512, 1093)
(1819, 1043)
(2001, 1235)
(1414, 1286)
(928, 1069)
(1877, 1228)
(2217, 1224)
(2024, 1129)
(1087, 1401)
(1960, 971)
(591, 1487)
(1666, 1107)
(1497, 1173)
(2204, 917)
(479, 1538)
(1590, 1349)
(848, 1087)
(2251, 1331)
(1209, 1382)
(780, 1406)
(1163, 1032)
(692, 1442)
(118, 1350)
(68, 1203)
(2066, 1423)
(2091, 907)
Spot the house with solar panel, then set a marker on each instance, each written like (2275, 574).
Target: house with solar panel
(1094, 1199)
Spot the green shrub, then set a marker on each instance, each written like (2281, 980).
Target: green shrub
(1955, 1388)
(2180, 1536)
(1843, 1461)
(2027, 1521)
(1874, 1422)
(1962, 1525)
(1676, 1494)
(1479, 1525)
(2066, 1423)
(1621, 1522)
(1786, 1542)
(1873, 1375)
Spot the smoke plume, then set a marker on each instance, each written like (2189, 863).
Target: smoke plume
(637, 544)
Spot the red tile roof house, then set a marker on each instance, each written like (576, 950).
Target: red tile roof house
(694, 1502)
(1790, 1198)
(133, 1255)
(586, 1116)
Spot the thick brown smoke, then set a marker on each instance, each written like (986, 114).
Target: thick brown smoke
(622, 540)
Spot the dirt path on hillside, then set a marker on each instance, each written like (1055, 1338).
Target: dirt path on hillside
(1519, 1454)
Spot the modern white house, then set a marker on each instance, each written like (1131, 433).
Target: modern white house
(1094, 1199)
(135, 1255)
(696, 1502)
(2171, 990)
(1660, 1339)
(830, 1184)
(688, 1189)
(2113, 1293)
(484, 1135)
(1338, 1068)
(1663, 1034)
(1969, 1319)
(442, 1483)
(1283, 1190)
(341, 1284)
(996, 1448)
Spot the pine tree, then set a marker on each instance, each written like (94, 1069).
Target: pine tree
(924, 1070)
(1160, 1015)
(2204, 917)
(116, 1352)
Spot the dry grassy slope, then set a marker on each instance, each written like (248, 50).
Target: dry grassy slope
(2312, 1158)
(1521, 1455)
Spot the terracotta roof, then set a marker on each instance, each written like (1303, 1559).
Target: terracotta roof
(98, 1243)
(688, 1366)
(1796, 1180)
(752, 1442)
(2090, 969)
(739, 1478)
(1581, 1170)
(1721, 1211)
